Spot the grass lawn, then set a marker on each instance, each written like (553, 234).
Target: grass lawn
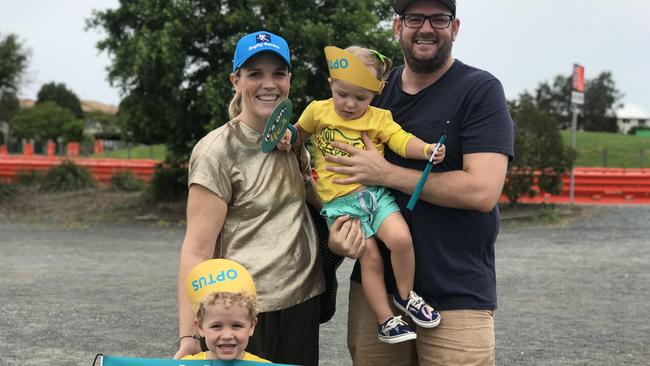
(623, 151)
(156, 152)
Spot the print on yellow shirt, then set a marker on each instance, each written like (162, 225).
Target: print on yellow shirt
(327, 135)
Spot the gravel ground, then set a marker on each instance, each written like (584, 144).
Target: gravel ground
(571, 294)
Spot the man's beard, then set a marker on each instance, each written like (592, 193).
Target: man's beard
(428, 65)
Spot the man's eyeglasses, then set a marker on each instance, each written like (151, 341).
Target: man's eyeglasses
(437, 21)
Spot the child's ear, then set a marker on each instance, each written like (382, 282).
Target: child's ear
(253, 324)
(197, 326)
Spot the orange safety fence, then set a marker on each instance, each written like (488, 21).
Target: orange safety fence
(600, 186)
(591, 186)
(101, 169)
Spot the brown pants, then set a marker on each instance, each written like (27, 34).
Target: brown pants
(464, 337)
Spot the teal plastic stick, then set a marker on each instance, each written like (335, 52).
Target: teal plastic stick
(418, 189)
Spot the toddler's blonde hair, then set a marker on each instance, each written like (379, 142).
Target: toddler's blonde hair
(380, 66)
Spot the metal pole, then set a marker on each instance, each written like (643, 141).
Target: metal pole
(641, 153)
(574, 127)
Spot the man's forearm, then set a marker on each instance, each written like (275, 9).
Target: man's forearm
(463, 189)
(449, 189)
(476, 187)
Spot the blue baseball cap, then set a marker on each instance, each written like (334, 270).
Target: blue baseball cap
(254, 43)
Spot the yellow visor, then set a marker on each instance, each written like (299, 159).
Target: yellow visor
(345, 66)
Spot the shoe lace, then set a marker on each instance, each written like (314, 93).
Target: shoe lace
(394, 322)
(416, 301)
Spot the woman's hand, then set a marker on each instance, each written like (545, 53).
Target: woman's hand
(346, 237)
(285, 143)
(187, 346)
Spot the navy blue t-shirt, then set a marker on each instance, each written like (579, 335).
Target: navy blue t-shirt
(454, 248)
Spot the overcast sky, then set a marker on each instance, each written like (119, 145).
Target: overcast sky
(521, 42)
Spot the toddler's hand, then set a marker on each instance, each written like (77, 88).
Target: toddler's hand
(440, 154)
(285, 142)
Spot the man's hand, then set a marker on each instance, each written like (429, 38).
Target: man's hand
(367, 167)
(346, 238)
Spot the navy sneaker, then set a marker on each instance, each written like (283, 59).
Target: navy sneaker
(423, 314)
(395, 330)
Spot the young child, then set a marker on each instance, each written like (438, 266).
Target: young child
(224, 297)
(356, 76)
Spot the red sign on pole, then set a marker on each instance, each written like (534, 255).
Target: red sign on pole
(578, 80)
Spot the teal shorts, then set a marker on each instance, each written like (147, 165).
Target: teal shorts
(371, 206)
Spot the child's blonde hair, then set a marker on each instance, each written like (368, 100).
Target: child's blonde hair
(228, 299)
(373, 60)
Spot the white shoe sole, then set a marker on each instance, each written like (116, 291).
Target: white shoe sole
(417, 321)
(399, 339)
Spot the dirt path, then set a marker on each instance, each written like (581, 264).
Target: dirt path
(568, 295)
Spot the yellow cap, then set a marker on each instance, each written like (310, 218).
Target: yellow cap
(345, 66)
(217, 275)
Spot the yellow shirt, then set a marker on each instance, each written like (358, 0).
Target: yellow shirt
(247, 357)
(321, 120)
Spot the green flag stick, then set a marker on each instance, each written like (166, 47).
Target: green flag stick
(425, 173)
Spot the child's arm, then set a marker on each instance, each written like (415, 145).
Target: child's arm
(418, 149)
(405, 144)
(285, 143)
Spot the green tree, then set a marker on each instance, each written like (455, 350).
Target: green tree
(555, 100)
(62, 96)
(9, 105)
(539, 151)
(105, 125)
(13, 62)
(73, 130)
(601, 99)
(597, 114)
(172, 60)
(41, 122)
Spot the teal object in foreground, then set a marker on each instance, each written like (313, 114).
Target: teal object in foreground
(128, 361)
(425, 174)
(276, 124)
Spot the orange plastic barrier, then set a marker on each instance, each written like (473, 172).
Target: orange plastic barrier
(72, 149)
(28, 149)
(51, 148)
(592, 185)
(102, 169)
(98, 146)
(600, 186)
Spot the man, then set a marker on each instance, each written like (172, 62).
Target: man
(455, 223)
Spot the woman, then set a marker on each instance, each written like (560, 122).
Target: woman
(249, 206)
